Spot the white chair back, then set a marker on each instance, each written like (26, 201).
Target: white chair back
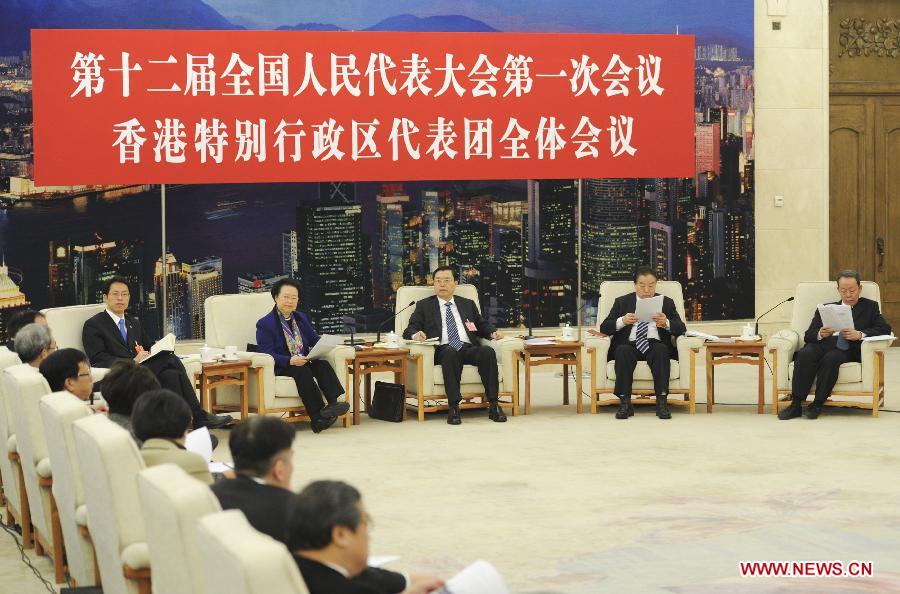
(239, 560)
(808, 295)
(612, 290)
(110, 462)
(24, 386)
(231, 319)
(172, 502)
(7, 471)
(407, 294)
(66, 323)
(59, 411)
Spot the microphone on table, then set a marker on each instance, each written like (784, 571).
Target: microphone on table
(382, 324)
(756, 328)
(352, 342)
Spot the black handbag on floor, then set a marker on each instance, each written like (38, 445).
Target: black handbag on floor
(387, 402)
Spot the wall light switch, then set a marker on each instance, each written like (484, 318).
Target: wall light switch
(779, 201)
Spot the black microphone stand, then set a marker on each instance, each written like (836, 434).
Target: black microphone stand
(382, 324)
(756, 328)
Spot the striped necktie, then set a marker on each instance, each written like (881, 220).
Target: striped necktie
(643, 345)
(452, 332)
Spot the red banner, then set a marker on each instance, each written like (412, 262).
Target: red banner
(139, 106)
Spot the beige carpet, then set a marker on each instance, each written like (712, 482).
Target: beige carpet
(579, 504)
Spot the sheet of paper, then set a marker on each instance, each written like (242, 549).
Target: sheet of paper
(219, 467)
(198, 441)
(324, 346)
(478, 578)
(702, 335)
(166, 344)
(647, 308)
(380, 560)
(880, 337)
(539, 341)
(836, 316)
(433, 340)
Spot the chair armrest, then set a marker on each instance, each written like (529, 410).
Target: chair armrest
(426, 351)
(81, 515)
(338, 358)
(136, 556)
(12, 446)
(43, 468)
(598, 351)
(685, 345)
(506, 350)
(784, 343)
(868, 351)
(98, 373)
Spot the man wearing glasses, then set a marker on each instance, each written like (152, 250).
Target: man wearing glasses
(827, 348)
(109, 337)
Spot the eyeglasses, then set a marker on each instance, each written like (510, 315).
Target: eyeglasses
(117, 294)
(85, 374)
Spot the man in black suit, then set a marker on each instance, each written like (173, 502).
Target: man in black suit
(262, 450)
(456, 322)
(827, 348)
(109, 337)
(633, 341)
(328, 533)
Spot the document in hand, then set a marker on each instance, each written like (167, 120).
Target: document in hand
(166, 344)
(478, 578)
(647, 308)
(199, 442)
(324, 346)
(836, 316)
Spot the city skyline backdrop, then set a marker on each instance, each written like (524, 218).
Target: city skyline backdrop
(351, 245)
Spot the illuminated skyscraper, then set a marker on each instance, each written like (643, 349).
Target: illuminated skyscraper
(258, 282)
(204, 276)
(391, 245)
(330, 263)
(178, 296)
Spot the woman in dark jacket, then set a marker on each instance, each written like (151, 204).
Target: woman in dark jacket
(288, 336)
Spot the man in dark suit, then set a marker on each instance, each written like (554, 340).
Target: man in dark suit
(827, 348)
(633, 341)
(328, 533)
(261, 448)
(109, 336)
(456, 322)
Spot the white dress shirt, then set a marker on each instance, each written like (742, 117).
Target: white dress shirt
(460, 327)
(652, 331)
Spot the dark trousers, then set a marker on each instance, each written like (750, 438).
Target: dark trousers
(627, 357)
(451, 362)
(315, 380)
(820, 363)
(171, 374)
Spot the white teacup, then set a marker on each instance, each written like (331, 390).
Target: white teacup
(392, 340)
(231, 352)
(206, 354)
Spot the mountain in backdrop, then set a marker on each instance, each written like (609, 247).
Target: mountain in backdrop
(453, 23)
(20, 16)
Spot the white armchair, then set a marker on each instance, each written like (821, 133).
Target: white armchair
(66, 325)
(24, 387)
(859, 385)
(426, 380)
(683, 372)
(17, 511)
(59, 411)
(231, 320)
(240, 560)
(109, 464)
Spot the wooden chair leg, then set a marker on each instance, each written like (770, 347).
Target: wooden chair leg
(141, 577)
(38, 545)
(59, 560)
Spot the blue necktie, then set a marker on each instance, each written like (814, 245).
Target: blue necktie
(842, 342)
(643, 345)
(452, 332)
(123, 331)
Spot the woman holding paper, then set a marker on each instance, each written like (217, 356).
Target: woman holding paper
(287, 335)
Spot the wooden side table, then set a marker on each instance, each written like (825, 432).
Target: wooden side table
(369, 361)
(224, 373)
(748, 352)
(558, 353)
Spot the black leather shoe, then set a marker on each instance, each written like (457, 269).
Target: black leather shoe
(813, 411)
(791, 412)
(453, 416)
(335, 410)
(210, 421)
(496, 414)
(662, 407)
(322, 423)
(625, 408)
